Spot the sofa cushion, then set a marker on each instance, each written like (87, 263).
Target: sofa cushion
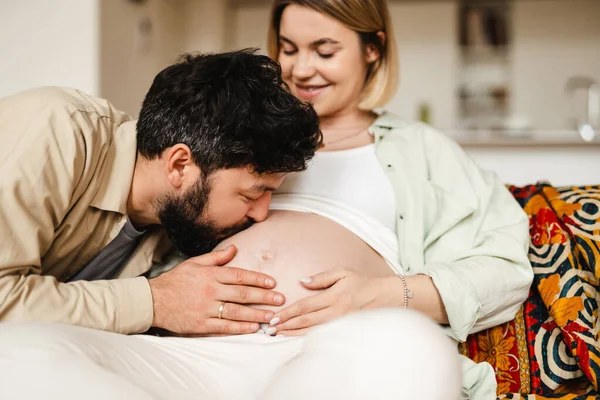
(551, 347)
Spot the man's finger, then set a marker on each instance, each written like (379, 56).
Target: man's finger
(237, 312)
(217, 257)
(227, 327)
(325, 279)
(302, 307)
(238, 276)
(249, 295)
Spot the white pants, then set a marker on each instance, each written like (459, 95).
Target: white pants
(383, 354)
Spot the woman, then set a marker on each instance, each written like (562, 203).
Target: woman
(405, 190)
(456, 228)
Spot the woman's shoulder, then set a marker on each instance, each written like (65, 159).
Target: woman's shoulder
(395, 127)
(429, 154)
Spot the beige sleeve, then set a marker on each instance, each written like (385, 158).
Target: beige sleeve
(42, 160)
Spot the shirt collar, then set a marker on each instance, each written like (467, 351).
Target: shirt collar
(387, 121)
(115, 184)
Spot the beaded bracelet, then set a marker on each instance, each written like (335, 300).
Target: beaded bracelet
(408, 294)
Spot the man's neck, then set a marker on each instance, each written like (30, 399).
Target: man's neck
(141, 207)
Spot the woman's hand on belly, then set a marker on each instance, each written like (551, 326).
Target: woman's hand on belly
(289, 245)
(345, 291)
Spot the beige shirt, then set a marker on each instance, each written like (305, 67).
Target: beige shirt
(66, 165)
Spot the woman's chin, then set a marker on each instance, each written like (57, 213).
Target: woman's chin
(323, 109)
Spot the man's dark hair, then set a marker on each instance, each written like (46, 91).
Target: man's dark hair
(232, 110)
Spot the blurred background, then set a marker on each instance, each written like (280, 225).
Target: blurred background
(515, 82)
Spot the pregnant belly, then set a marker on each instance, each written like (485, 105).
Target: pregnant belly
(291, 245)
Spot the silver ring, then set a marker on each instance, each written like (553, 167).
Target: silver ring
(221, 308)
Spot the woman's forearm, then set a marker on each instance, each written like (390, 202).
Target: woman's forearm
(426, 298)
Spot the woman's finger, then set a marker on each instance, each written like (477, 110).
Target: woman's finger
(325, 279)
(304, 321)
(301, 307)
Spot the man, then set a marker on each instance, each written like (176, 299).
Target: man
(89, 195)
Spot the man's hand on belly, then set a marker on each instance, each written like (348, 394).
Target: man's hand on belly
(201, 297)
(346, 291)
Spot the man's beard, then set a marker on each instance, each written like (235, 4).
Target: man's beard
(187, 225)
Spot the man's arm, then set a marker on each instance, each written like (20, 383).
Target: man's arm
(43, 159)
(45, 162)
(123, 306)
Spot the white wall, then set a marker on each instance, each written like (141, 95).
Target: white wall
(428, 52)
(48, 43)
(130, 56)
(205, 25)
(93, 45)
(249, 25)
(553, 40)
(561, 166)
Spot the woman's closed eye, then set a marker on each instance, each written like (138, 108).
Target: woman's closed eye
(322, 55)
(288, 49)
(325, 55)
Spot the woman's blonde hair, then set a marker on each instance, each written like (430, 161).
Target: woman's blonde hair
(365, 17)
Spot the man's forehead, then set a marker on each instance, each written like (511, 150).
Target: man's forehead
(266, 182)
(246, 179)
(262, 187)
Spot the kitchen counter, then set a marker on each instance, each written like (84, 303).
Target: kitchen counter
(560, 157)
(546, 138)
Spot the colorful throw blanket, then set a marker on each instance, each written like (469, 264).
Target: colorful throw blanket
(551, 349)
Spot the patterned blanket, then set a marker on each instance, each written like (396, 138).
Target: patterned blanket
(551, 349)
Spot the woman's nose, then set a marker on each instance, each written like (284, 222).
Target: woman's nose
(303, 67)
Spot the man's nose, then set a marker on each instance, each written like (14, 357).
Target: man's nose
(260, 209)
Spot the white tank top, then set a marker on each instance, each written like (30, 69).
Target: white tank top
(350, 188)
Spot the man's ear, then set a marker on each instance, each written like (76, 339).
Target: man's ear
(178, 162)
(372, 53)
